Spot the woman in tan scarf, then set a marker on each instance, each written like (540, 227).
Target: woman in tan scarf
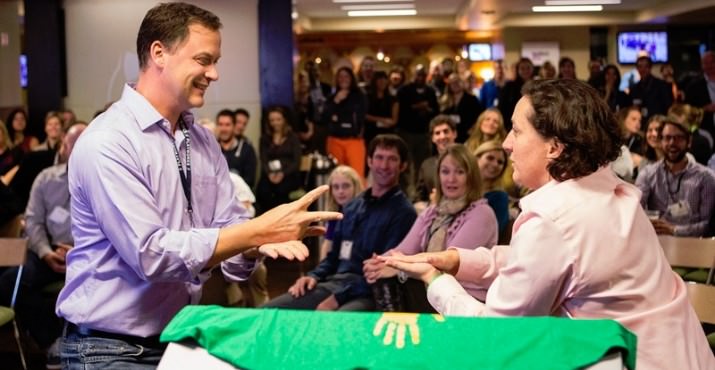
(459, 218)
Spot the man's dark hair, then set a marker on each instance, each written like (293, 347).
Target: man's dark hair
(169, 24)
(442, 119)
(647, 59)
(572, 113)
(677, 123)
(241, 111)
(389, 141)
(227, 113)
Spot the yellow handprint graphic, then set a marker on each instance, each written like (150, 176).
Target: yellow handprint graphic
(397, 325)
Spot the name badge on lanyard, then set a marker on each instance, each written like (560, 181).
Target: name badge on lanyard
(346, 248)
(679, 209)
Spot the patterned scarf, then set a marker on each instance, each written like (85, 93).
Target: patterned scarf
(447, 210)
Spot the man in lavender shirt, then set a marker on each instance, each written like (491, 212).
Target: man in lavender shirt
(152, 205)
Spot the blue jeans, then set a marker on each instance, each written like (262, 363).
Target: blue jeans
(85, 353)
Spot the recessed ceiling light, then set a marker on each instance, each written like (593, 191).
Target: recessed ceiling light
(582, 2)
(573, 8)
(381, 13)
(370, 1)
(377, 7)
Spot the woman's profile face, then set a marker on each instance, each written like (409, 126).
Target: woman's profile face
(491, 164)
(342, 189)
(528, 151)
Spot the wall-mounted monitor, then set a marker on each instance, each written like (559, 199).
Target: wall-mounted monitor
(480, 52)
(23, 71)
(632, 45)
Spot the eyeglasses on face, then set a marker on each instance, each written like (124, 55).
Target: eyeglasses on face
(676, 138)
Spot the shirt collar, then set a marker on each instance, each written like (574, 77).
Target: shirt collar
(367, 194)
(145, 114)
(554, 195)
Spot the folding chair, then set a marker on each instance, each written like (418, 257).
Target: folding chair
(702, 298)
(689, 252)
(12, 253)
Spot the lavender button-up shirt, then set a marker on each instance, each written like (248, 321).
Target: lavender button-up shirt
(137, 260)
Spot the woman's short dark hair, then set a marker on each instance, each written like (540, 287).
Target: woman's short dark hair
(169, 24)
(572, 112)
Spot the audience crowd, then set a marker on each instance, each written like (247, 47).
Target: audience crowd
(419, 167)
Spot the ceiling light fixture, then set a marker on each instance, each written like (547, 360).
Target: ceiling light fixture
(370, 1)
(377, 7)
(582, 2)
(573, 8)
(381, 13)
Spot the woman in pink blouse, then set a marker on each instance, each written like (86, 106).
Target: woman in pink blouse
(460, 217)
(582, 246)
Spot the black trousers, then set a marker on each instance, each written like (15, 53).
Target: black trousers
(34, 308)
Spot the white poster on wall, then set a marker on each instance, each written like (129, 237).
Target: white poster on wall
(539, 52)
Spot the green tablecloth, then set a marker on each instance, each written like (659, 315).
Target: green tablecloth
(287, 339)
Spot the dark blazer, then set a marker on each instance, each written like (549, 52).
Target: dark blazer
(654, 94)
(696, 94)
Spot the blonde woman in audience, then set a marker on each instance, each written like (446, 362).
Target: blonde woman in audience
(345, 184)
(53, 130)
(492, 163)
(489, 126)
(460, 218)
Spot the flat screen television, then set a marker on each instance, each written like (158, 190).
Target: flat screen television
(23, 71)
(480, 52)
(632, 45)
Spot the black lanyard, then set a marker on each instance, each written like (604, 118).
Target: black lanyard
(667, 183)
(185, 176)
